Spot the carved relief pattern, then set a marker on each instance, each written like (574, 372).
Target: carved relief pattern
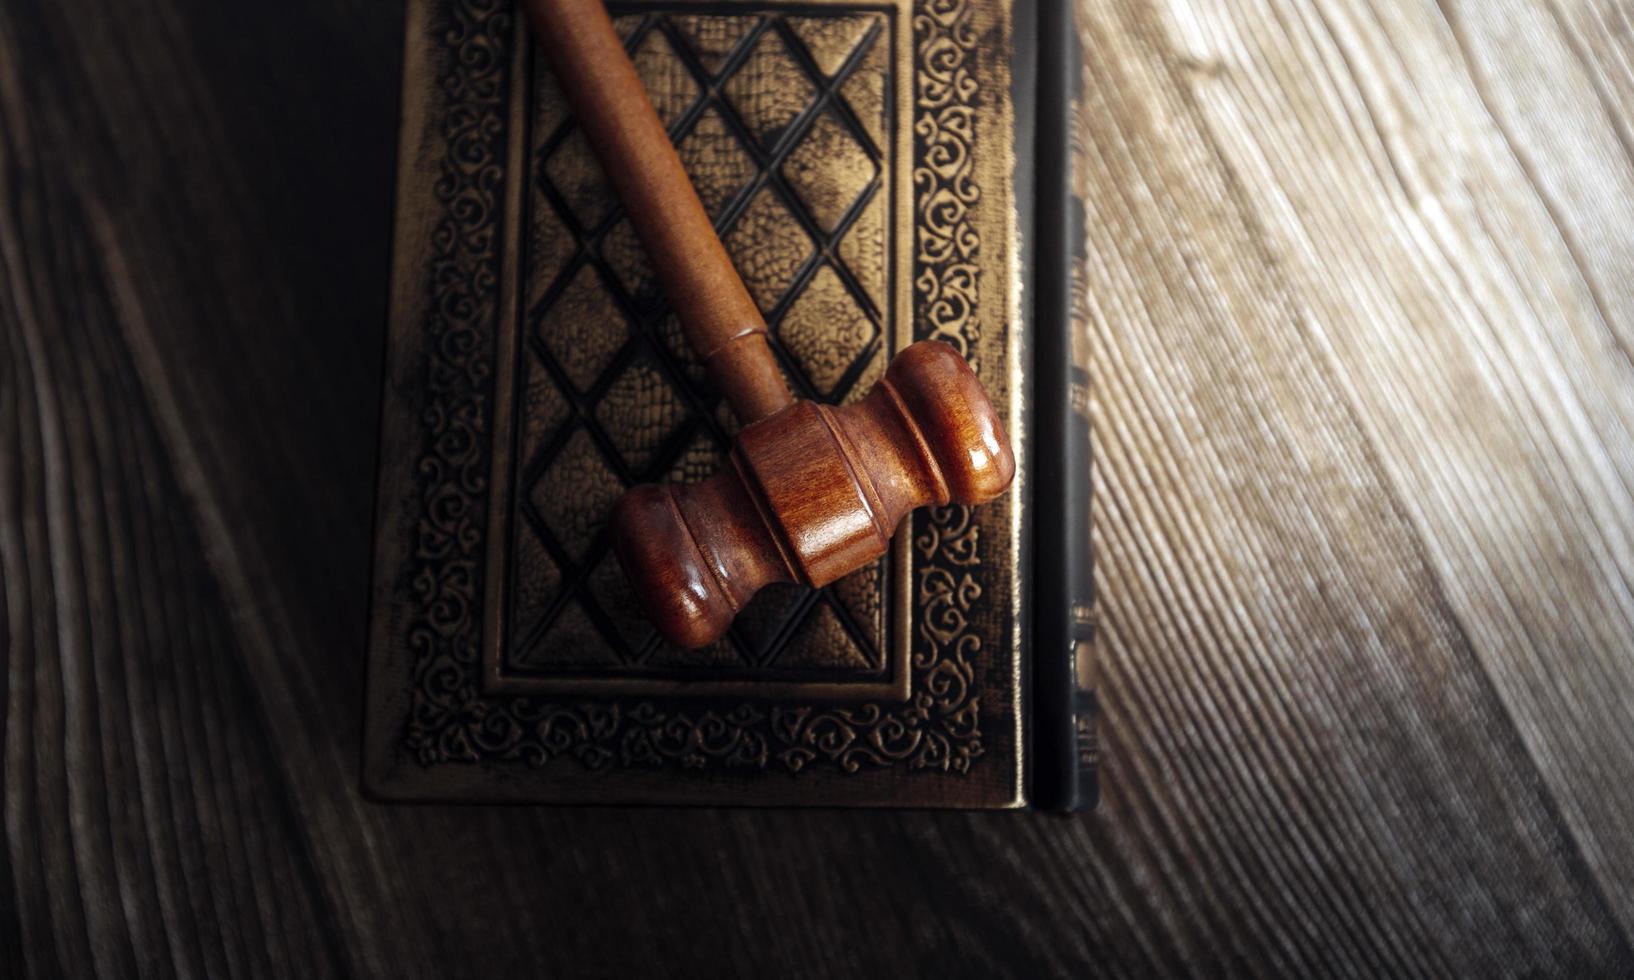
(945, 189)
(451, 720)
(795, 186)
(445, 709)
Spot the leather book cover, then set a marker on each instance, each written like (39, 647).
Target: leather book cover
(859, 161)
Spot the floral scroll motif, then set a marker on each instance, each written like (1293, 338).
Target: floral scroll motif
(452, 719)
(947, 273)
(448, 719)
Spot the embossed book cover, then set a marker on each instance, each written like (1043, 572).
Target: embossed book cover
(859, 161)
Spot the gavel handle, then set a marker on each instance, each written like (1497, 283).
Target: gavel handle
(721, 321)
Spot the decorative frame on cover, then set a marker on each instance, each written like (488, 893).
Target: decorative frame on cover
(787, 124)
(533, 372)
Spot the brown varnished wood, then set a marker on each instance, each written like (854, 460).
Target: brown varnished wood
(814, 492)
(721, 320)
(828, 486)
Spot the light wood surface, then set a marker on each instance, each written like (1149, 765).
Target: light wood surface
(1363, 285)
(1362, 401)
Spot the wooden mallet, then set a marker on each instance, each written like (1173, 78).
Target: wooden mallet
(813, 491)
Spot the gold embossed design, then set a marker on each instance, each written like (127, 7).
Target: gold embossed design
(769, 248)
(770, 91)
(573, 493)
(829, 170)
(822, 643)
(571, 640)
(718, 159)
(576, 175)
(670, 86)
(607, 394)
(451, 534)
(713, 38)
(581, 327)
(641, 412)
(826, 331)
(833, 39)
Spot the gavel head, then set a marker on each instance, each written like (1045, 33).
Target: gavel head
(812, 493)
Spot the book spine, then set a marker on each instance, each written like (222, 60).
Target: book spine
(1064, 706)
(1085, 784)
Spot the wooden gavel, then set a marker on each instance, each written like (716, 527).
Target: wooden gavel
(813, 492)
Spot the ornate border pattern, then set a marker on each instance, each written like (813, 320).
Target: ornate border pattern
(451, 720)
(445, 718)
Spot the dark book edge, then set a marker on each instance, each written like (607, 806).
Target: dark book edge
(1024, 131)
(1064, 747)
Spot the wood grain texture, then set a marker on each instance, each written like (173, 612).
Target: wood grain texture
(1362, 410)
(813, 494)
(723, 325)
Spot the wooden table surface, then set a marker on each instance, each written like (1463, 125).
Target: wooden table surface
(1363, 292)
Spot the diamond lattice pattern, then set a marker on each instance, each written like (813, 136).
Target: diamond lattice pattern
(781, 121)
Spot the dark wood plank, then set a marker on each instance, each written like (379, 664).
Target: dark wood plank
(1336, 741)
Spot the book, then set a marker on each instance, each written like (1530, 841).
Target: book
(868, 166)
